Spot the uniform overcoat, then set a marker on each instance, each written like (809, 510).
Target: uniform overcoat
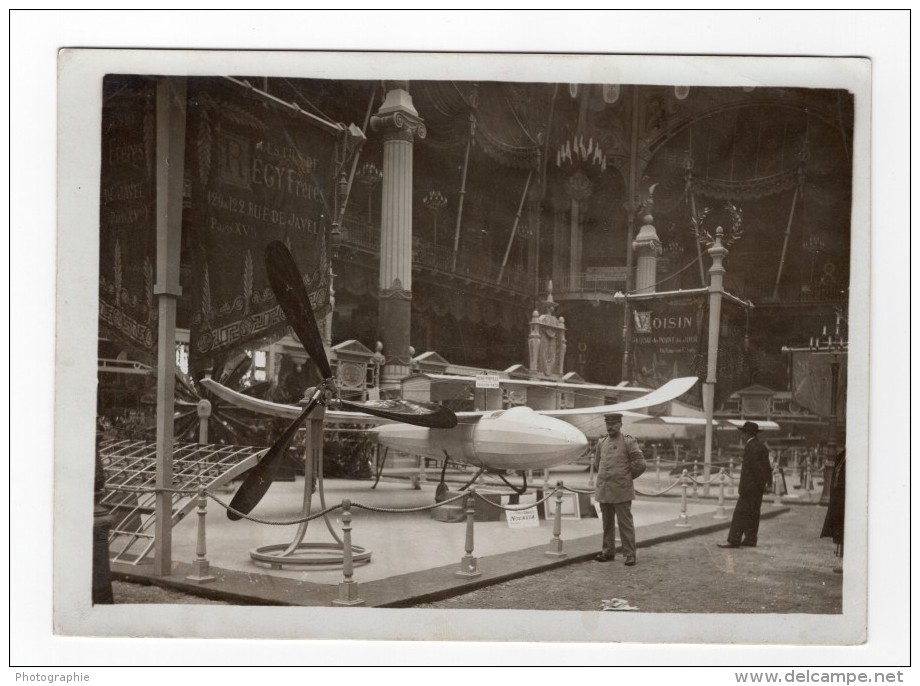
(619, 460)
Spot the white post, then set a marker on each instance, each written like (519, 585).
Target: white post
(718, 252)
(555, 549)
(348, 588)
(169, 170)
(682, 520)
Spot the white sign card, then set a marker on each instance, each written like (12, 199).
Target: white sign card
(522, 519)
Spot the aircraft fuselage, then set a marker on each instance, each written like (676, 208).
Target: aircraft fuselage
(517, 438)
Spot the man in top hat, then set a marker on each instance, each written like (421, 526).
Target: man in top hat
(756, 473)
(618, 460)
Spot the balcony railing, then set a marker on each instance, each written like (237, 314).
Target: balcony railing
(787, 294)
(590, 284)
(476, 264)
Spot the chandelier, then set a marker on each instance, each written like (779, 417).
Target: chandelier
(577, 152)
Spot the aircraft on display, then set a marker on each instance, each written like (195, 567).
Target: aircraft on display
(518, 438)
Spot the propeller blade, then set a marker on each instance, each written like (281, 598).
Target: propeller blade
(291, 294)
(261, 476)
(232, 377)
(432, 415)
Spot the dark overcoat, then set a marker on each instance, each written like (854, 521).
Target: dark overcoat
(756, 472)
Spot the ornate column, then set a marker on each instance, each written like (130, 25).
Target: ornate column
(647, 248)
(579, 189)
(399, 123)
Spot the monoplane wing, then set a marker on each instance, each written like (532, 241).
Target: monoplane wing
(590, 420)
(282, 410)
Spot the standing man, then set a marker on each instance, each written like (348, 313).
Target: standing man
(618, 461)
(755, 477)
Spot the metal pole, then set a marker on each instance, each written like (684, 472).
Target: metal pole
(348, 589)
(555, 545)
(632, 206)
(782, 257)
(717, 251)
(832, 439)
(170, 162)
(517, 218)
(466, 163)
(699, 250)
(468, 565)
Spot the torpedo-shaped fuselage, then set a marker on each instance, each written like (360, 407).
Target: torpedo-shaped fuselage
(517, 438)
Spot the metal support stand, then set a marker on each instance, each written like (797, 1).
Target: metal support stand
(298, 554)
(348, 589)
(201, 568)
(555, 545)
(468, 565)
(720, 510)
(682, 520)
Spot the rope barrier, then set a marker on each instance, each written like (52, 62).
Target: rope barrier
(515, 508)
(712, 479)
(348, 589)
(269, 522)
(577, 490)
(422, 508)
(661, 492)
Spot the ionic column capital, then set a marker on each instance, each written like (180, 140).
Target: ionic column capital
(399, 126)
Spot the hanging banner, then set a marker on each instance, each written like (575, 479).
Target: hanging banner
(256, 172)
(733, 367)
(127, 214)
(666, 338)
(812, 381)
(670, 339)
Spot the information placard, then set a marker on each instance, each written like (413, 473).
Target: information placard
(521, 519)
(487, 381)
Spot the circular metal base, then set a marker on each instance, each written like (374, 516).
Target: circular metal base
(308, 554)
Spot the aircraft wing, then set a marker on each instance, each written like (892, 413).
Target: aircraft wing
(590, 420)
(514, 383)
(285, 411)
(763, 424)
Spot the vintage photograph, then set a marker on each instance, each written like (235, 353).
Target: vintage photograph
(373, 342)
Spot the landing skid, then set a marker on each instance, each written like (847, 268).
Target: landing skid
(380, 467)
(520, 491)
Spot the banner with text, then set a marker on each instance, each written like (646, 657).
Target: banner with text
(666, 336)
(127, 214)
(670, 340)
(256, 172)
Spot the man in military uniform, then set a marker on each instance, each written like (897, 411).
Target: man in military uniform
(618, 460)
